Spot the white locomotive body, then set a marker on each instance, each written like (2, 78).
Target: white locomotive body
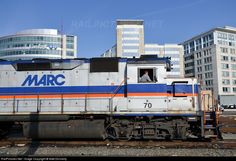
(99, 98)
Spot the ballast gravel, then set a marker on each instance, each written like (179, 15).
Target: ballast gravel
(112, 151)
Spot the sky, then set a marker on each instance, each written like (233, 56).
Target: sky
(93, 21)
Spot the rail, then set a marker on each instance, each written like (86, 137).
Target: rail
(229, 144)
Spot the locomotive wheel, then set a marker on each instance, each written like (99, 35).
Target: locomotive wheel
(112, 133)
(166, 135)
(119, 133)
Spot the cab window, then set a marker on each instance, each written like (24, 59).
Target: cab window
(147, 75)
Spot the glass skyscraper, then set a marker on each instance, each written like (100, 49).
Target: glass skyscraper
(38, 43)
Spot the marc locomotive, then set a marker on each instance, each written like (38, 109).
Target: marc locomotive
(102, 98)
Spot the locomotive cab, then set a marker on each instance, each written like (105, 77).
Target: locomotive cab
(160, 93)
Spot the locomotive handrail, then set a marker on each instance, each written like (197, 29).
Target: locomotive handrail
(14, 106)
(193, 98)
(114, 94)
(117, 89)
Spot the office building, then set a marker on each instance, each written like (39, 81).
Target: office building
(130, 43)
(129, 38)
(38, 43)
(211, 57)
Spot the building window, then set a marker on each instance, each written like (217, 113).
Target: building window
(199, 69)
(207, 60)
(234, 82)
(190, 71)
(130, 35)
(70, 46)
(189, 64)
(222, 35)
(226, 81)
(232, 51)
(224, 50)
(224, 66)
(199, 76)
(130, 29)
(199, 55)
(234, 74)
(199, 62)
(191, 44)
(233, 66)
(233, 59)
(70, 39)
(69, 53)
(209, 82)
(198, 44)
(131, 47)
(210, 36)
(130, 41)
(224, 58)
(208, 67)
(226, 89)
(234, 89)
(225, 74)
(191, 57)
(207, 52)
(209, 75)
(231, 37)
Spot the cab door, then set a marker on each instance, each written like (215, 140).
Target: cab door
(181, 96)
(145, 96)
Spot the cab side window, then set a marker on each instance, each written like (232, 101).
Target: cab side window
(147, 75)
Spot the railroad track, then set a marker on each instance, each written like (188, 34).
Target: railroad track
(228, 123)
(229, 144)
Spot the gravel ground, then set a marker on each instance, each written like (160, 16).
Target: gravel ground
(53, 151)
(60, 151)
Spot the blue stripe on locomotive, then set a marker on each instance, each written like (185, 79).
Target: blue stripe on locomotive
(131, 88)
(161, 88)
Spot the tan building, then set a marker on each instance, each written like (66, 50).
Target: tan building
(129, 38)
(211, 57)
(130, 43)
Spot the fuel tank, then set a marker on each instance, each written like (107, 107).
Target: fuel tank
(72, 129)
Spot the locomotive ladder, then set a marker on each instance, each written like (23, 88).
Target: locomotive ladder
(210, 119)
